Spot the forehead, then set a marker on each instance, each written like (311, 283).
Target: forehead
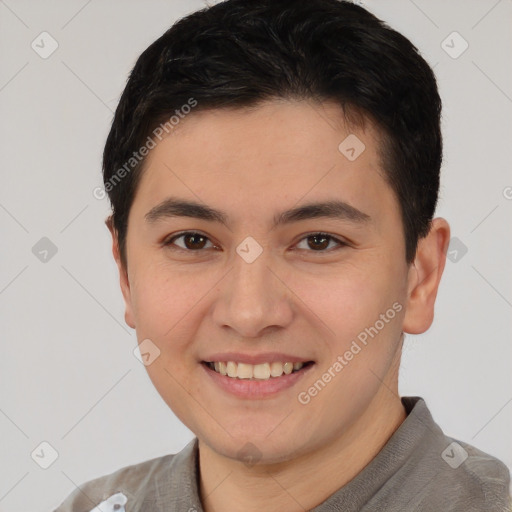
(299, 128)
(280, 153)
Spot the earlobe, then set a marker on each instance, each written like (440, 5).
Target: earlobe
(123, 275)
(424, 277)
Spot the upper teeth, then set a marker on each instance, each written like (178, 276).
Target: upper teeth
(258, 371)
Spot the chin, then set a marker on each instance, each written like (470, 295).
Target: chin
(263, 448)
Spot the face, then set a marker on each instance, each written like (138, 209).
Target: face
(250, 285)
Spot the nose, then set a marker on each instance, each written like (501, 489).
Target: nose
(253, 299)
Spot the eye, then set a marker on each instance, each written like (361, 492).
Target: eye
(320, 241)
(192, 241)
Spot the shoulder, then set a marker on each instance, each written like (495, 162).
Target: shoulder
(444, 473)
(462, 479)
(482, 481)
(136, 482)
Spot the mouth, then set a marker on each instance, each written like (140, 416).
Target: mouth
(256, 372)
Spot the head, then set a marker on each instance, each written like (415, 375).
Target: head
(307, 136)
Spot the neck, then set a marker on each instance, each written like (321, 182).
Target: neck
(302, 483)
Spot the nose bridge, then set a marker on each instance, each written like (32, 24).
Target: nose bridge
(251, 290)
(252, 298)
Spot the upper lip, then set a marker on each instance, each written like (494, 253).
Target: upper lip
(265, 357)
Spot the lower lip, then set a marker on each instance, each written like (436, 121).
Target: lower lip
(245, 388)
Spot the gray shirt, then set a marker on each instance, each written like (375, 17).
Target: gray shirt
(418, 469)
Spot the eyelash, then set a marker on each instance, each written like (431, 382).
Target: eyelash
(169, 242)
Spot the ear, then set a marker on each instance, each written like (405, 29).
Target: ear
(123, 274)
(424, 277)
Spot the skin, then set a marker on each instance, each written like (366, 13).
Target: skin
(293, 298)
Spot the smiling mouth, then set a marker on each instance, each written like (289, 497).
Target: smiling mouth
(263, 371)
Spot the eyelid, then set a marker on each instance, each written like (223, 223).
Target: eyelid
(341, 243)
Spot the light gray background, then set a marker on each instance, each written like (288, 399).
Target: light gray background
(68, 375)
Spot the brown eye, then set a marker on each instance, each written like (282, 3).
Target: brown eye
(192, 241)
(319, 242)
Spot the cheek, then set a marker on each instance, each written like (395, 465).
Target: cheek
(166, 307)
(163, 300)
(345, 300)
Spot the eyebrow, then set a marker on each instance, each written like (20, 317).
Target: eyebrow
(335, 209)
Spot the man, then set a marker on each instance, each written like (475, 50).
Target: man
(273, 168)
